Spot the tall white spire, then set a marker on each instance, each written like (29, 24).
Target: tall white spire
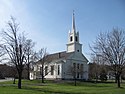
(73, 39)
(73, 22)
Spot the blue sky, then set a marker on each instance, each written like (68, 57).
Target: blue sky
(47, 22)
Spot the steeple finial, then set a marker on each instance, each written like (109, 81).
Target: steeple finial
(73, 22)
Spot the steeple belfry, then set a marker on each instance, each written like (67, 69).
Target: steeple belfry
(73, 23)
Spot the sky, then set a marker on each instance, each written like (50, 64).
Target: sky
(47, 22)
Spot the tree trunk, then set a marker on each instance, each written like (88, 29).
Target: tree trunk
(75, 78)
(118, 80)
(42, 74)
(96, 78)
(28, 72)
(28, 69)
(75, 81)
(19, 80)
(42, 78)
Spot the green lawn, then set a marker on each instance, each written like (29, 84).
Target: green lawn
(36, 87)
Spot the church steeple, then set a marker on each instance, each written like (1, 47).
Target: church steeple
(73, 22)
(73, 38)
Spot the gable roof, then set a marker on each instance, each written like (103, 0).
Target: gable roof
(59, 55)
(85, 58)
(56, 56)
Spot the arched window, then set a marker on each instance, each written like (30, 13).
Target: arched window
(71, 38)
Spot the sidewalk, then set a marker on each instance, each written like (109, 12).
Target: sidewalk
(3, 80)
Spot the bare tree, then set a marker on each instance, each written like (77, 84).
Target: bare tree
(95, 67)
(2, 53)
(29, 55)
(13, 70)
(13, 73)
(94, 71)
(42, 59)
(15, 47)
(111, 46)
(75, 70)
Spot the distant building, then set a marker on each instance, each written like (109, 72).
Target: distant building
(68, 64)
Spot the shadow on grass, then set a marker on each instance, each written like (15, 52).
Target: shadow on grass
(44, 90)
(64, 87)
(50, 91)
(87, 84)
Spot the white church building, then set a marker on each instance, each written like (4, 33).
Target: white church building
(69, 64)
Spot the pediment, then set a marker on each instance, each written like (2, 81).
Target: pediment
(78, 56)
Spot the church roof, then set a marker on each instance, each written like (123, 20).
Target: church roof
(56, 56)
(59, 55)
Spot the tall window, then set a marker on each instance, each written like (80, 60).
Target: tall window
(58, 70)
(74, 70)
(38, 68)
(77, 66)
(76, 38)
(78, 71)
(52, 70)
(74, 65)
(77, 74)
(46, 70)
(71, 38)
(81, 70)
(81, 67)
(41, 71)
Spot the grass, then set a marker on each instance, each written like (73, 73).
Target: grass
(50, 87)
